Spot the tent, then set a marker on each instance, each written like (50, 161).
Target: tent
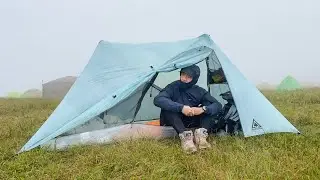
(266, 86)
(289, 83)
(113, 96)
(32, 93)
(58, 88)
(13, 95)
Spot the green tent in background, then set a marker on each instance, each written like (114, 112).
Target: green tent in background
(13, 95)
(289, 83)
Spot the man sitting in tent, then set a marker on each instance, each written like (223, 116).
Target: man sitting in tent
(185, 105)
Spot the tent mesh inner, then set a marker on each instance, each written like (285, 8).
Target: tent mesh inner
(123, 112)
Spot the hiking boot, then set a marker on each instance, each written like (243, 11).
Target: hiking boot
(200, 136)
(187, 142)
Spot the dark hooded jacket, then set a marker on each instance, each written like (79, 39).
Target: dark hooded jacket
(177, 94)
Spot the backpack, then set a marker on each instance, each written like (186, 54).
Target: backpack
(228, 118)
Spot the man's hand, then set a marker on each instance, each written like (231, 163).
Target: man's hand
(197, 111)
(187, 111)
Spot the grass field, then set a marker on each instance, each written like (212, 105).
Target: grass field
(273, 156)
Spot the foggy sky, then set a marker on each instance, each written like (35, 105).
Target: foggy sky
(267, 40)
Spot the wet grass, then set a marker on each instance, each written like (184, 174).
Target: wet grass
(273, 156)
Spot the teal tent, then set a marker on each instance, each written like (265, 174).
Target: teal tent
(116, 90)
(289, 83)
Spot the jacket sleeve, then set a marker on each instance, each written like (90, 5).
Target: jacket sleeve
(164, 100)
(213, 106)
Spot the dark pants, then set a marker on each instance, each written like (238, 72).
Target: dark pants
(180, 122)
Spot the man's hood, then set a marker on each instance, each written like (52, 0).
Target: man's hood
(194, 72)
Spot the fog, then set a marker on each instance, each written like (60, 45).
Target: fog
(266, 40)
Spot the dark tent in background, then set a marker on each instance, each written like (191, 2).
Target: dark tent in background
(58, 88)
